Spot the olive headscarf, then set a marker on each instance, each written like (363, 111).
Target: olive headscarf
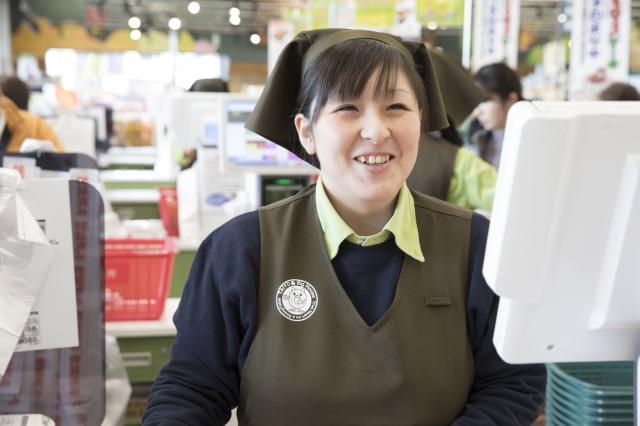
(460, 93)
(273, 114)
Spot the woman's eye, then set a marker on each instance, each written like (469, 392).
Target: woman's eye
(346, 107)
(398, 106)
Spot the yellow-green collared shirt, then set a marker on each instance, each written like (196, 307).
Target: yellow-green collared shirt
(473, 184)
(402, 225)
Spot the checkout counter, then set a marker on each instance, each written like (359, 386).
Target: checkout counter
(133, 193)
(145, 346)
(128, 158)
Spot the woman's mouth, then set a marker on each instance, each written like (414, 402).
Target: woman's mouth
(373, 160)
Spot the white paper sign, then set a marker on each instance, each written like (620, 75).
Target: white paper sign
(25, 257)
(26, 166)
(215, 188)
(53, 322)
(26, 420)
(599, 46)
(496, 26)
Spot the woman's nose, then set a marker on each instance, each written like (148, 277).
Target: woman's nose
(374, 128)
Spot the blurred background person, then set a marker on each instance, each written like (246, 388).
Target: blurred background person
(504, 89)
(203, 85)
(16, 90)
(16, 123)
(209, 85)
(619, 92)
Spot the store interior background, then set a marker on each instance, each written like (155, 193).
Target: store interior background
(102, 26)
(79, 55)
(207, 45)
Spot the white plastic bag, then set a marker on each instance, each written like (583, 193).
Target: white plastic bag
(117, 384)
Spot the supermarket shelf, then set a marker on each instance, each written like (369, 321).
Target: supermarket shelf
(157, 328)
(133, 196)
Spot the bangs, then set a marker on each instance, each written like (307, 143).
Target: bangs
(342, 72)
(350, 72)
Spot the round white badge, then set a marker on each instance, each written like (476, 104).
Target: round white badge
(296, 300)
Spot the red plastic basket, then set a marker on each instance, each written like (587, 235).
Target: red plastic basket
(137, 276)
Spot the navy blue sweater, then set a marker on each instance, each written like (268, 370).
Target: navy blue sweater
(216, 322)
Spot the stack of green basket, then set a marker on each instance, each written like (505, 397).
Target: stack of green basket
(599, 393)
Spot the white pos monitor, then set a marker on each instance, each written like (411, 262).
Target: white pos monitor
(563, 251)
(193, 119)
(245, 151)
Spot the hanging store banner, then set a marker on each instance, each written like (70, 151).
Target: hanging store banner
(376, 14)
(364, 14)
(496, 26)
(445, 13)
(342, 14)
(599, 45)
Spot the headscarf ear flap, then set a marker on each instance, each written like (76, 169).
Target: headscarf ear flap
(462, 93)
(277, 103)
(435, 117)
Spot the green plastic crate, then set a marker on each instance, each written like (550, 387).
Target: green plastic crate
(592, 401)
(584, 416)
(588, 394)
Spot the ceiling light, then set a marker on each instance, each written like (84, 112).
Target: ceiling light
(175, 23)
(432, 25)
(134, 22)
(234, 20)
(193, 7)
(255, 38)
(135, 35)
(562, 18)
(234, 11)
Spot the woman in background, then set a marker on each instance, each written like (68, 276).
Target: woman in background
(504, 89)
(17, 124)
(619, 92)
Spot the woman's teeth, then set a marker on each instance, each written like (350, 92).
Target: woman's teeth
(373, 159)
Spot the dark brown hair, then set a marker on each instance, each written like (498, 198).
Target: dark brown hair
(343, 70)
(209, 85)
(500, 80)
(619, 92)
(16, 90)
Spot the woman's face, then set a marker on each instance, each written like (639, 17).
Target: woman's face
(366, 146)
(492, 113)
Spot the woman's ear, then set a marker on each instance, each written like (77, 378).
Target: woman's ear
(303, 127)
(512, 98)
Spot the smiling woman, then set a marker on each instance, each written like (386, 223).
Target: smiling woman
(364, 130)
(357, 301)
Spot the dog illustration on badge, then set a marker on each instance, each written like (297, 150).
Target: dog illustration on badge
(296, 300)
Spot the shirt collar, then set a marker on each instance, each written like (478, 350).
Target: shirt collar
(402, 225)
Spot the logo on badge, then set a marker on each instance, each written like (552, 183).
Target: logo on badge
(296, 300)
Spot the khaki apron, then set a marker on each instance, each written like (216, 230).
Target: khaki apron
(314, 361)
(434, 167)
